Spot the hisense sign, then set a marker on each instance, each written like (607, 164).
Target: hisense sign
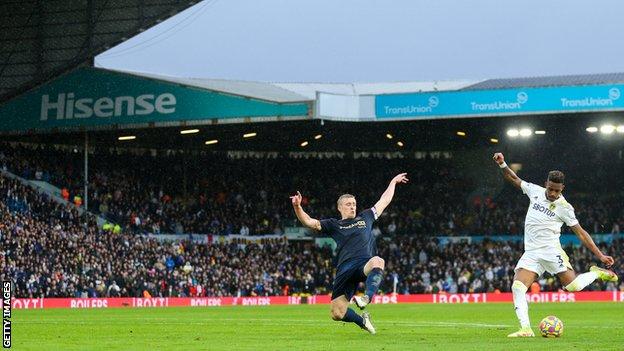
(92, 98)
(65, 106)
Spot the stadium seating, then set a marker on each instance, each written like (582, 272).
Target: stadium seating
(214, 194)
(48, 252)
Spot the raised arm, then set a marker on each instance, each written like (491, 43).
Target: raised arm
(589, 243)
(302, 216)
(387, 196)
(508, 174)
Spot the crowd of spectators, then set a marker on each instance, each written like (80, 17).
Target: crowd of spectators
(48, 251)
(214, 194)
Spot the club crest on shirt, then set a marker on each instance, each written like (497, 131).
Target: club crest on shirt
(552, 207)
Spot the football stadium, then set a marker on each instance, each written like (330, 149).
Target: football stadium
(147, 212)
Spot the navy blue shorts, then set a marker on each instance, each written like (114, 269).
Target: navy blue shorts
(349, 275)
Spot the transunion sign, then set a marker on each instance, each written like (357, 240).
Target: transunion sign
(91, 97)
(500, 102)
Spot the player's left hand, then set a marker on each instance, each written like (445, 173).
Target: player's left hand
(401, 178)
(607, 260)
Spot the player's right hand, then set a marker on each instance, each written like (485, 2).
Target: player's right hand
(296, 199)
(499, 158)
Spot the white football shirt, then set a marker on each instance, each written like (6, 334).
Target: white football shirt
(542, 225)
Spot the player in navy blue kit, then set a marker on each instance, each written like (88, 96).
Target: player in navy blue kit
(355, 252)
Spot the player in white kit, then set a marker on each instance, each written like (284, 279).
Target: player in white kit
(548, 211)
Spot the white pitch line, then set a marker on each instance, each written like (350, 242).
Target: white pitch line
(283, 322)
(266, 321)
(269, 322)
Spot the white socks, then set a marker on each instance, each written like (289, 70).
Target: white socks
(519, 295)
(520, 303)
(581, 281)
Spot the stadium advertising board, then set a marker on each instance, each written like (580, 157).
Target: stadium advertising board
(135, 302)
(90, 97)
(500, 102)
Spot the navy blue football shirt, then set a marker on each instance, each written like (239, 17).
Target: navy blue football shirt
(354, 237)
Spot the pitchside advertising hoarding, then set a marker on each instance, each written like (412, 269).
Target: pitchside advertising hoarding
(90, 97)
(500, 102)
(132, 302)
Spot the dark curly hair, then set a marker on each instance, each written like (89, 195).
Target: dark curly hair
(556, 177)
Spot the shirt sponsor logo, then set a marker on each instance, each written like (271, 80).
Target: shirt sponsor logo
(544, 210)
(359, 224)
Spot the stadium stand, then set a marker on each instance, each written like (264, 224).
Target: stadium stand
(48, 251)
(441, 199)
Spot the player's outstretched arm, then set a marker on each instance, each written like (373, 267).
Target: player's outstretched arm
(302, 216)
(508, 174)
(387, 196)
(589, 243)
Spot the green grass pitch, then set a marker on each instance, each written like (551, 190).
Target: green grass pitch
(587, 326)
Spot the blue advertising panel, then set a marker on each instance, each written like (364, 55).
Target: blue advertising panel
(90, 97)
(500, 102)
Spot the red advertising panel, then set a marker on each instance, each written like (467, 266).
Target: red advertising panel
(135, 302)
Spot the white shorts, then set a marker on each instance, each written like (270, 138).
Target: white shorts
(552, 260)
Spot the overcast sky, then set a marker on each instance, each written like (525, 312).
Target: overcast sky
(379, 41)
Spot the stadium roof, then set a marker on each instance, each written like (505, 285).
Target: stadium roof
(309, 89)
(258, 90)
(295, 92)
(553, 81)
(90, 98)
(41, 39)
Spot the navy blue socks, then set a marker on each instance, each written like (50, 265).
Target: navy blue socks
(352, 316)
(372, 282)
